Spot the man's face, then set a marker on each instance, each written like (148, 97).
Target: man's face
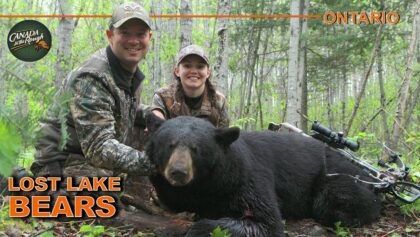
(130, 42)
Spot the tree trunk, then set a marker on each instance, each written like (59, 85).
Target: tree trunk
(221, 66)
(382, 88)
(157, 69)
(244, 83)
(294, 85)
(343, 99)
(343, 95)
(365, 79)
(169, 33)
(418, 45)
(259, 83)
(412, 105)
(64, 32)
(330, 104)
(383, 96)
(186, 23)
(282, 85)
(402, 96)
(251, 69)
(303, 69)
(242, 91)
(3, 90)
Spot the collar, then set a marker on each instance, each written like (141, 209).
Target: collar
(124, 79)
(194, 103)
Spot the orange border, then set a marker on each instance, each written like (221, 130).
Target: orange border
(165, 16)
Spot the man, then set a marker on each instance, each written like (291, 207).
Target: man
(88, 129)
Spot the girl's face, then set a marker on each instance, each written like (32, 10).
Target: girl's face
(193, 72)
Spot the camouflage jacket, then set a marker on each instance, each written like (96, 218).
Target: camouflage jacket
(93, 118)
(171, 101)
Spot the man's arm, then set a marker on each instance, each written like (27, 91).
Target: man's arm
(91, 110)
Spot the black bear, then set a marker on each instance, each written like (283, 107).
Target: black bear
(247, 181)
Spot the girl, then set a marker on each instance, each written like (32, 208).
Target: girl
(193, 93)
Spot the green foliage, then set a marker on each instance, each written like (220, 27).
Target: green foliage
(413, 141)
(411, 209)
(242, 121)
(218, 232)
(48, 234)
(370, 147)
(409, 230)
(7, 222)
(10, 145)
(63, 105)
(395, 235)
(342, 231)
(91, 231)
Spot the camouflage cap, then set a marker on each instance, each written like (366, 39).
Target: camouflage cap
(192, 50)
(127, 11)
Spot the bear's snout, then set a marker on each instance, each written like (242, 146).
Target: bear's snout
(179, 169)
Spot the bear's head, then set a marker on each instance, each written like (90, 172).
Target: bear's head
(187, 149)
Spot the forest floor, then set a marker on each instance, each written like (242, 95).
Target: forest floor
(392, 223)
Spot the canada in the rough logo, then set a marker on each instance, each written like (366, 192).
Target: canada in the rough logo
(29, 40)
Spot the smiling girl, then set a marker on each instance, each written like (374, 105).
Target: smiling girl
(193, 93)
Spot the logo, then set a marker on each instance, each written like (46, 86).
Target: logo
(131, 7)
(29, 40)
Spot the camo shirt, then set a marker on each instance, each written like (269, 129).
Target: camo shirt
(172, 102)
(94, 117)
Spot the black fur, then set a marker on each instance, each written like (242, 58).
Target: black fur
(247, 183)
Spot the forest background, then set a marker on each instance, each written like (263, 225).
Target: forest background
(362, 79)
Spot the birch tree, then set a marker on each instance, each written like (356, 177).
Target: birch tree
(221, 66)
(186, 23)
(294, 85)
(412, 105)
(382, 92)
(381, 86)
(169, 33)
(343, 95)
(302, 74)
(403, 92)
(64, 33)
(157, 68)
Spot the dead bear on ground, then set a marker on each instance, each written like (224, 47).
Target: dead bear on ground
(248, 181)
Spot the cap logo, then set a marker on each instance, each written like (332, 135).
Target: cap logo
(131, 9)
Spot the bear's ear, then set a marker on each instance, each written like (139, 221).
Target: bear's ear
(153, 122)
(226, 136)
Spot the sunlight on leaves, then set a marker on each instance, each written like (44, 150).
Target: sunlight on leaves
(218, 232)
(10, 144)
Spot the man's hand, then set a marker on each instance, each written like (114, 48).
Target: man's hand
(143, 166)
(157, 113)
